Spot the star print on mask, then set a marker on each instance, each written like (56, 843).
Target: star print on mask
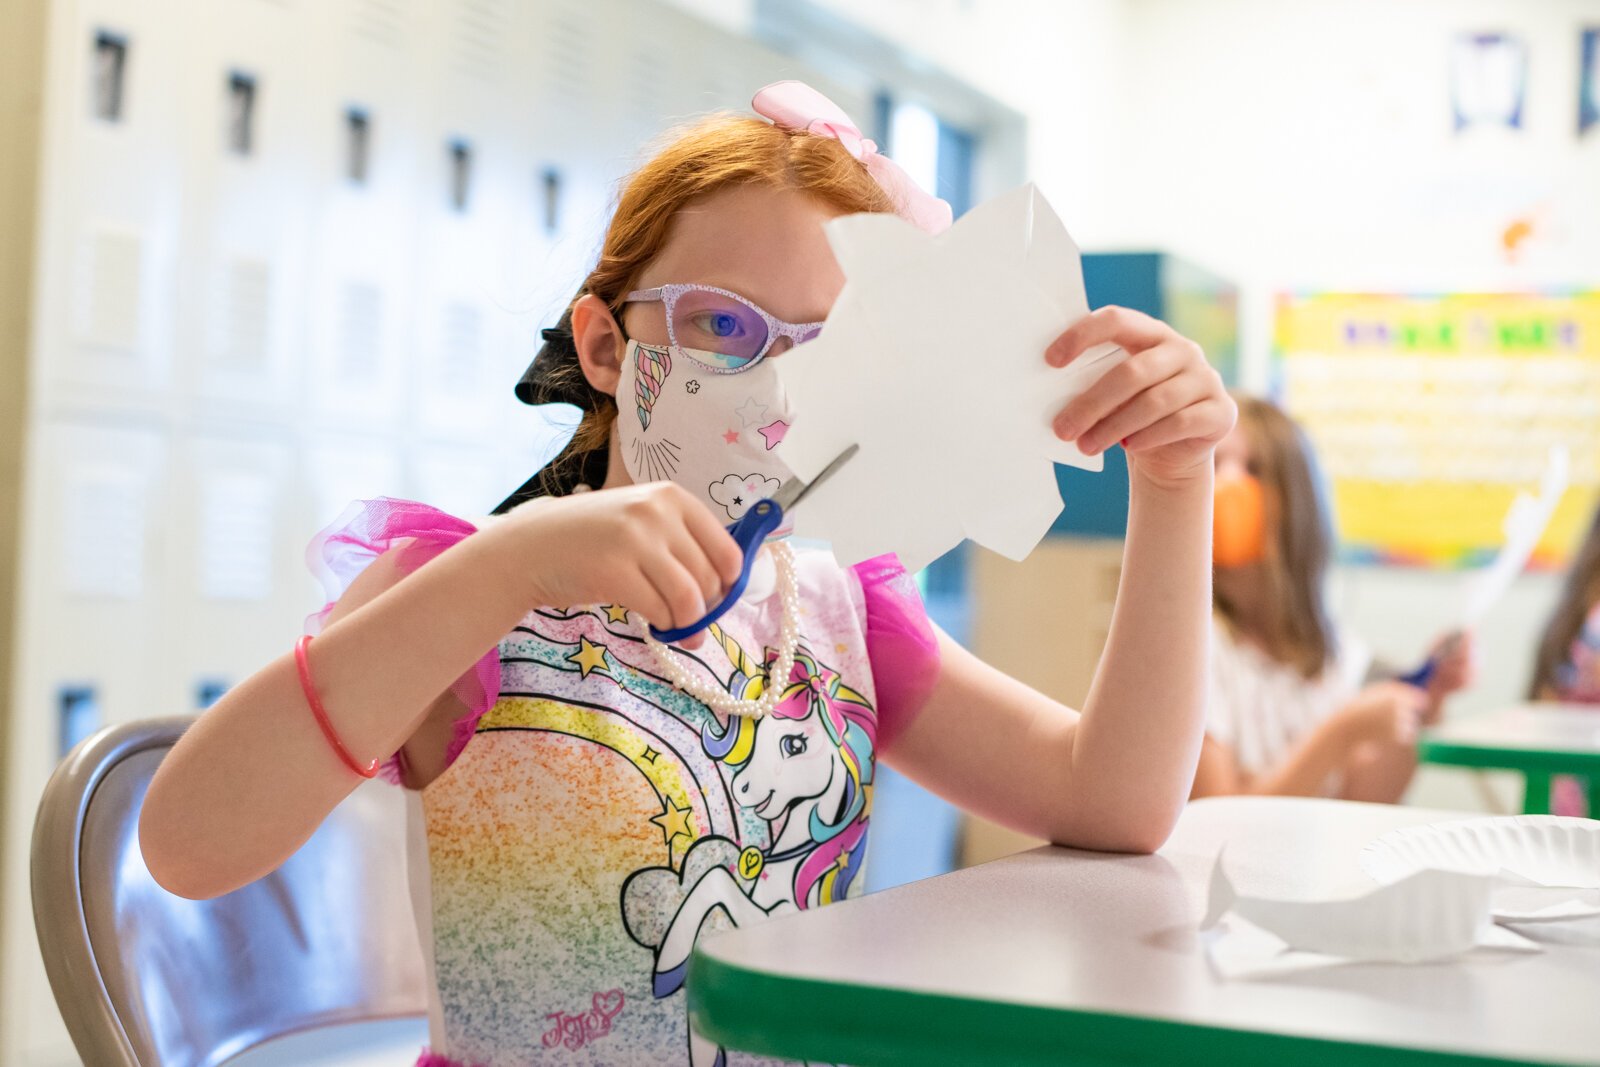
(732, 437)
(751, 412)
(774, 433)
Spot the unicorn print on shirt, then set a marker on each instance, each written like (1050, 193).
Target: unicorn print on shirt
(805, 770)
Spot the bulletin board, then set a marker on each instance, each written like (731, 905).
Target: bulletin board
(1430, 412)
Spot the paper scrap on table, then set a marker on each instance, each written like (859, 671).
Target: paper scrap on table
(1443, 889)
(1524, 524)
(933, 362)
(1539, 904)
(1239, 950)
(1429, 915)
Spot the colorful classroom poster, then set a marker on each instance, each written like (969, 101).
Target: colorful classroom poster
(1430, 412)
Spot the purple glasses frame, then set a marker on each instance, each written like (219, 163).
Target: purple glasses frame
(796, 332)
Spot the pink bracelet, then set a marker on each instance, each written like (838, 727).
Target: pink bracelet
(321, 713)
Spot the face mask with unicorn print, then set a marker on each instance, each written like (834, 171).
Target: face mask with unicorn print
(710, 431)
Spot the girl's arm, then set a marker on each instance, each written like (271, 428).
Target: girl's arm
(1115, 776)
(1301, 774)
(253, 777)
(1372, 738)
(1380, 773)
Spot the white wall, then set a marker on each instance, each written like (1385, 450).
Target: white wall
(1310, 145)
(1287, 145)
(1058, 63)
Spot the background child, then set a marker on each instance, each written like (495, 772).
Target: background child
(1567, 667)
(590, 801)
(1290, 712)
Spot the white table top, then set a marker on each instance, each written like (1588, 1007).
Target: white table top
(1088, 932)
(1546, 727)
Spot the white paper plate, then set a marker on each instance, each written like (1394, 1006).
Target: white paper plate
(1548, 850)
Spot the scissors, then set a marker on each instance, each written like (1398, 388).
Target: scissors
(1423, 675)
(750, 532)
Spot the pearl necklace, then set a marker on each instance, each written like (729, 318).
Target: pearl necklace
(782, 668)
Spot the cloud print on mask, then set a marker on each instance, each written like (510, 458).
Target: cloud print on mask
(737, 492)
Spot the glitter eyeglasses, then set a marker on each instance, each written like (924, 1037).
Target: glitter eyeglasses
(719, 329)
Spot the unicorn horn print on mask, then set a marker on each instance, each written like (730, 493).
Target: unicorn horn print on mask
(651, 366)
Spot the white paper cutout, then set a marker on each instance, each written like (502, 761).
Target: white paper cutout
(933, 362)
(1524, 524)
(1508, 883)
(1427, 915)
(1240, 950)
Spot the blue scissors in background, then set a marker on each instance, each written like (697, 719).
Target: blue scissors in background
(750, 531)
(1423, 675)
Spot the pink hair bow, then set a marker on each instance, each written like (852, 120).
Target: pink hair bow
(794, 105)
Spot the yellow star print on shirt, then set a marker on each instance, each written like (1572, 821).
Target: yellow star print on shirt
(616, 613)
(673, 820)
(589, 657)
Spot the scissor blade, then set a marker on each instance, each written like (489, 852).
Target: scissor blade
(795, 489)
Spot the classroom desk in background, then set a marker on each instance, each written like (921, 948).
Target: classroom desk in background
(1057, 955)
(1539, 740)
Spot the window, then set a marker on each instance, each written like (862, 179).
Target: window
(957, 151)
(460, 174)
(938, 156)
(241, 113)
(110, 67)
(357, 144)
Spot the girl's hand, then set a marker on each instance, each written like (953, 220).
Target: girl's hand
(652, 548)
(1383, 713)
(1166, 404)
(1455, 666)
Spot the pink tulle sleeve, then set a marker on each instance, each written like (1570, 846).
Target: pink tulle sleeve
(900, 644)
(367, 530)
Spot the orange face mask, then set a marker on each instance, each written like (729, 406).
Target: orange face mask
(1239, 522)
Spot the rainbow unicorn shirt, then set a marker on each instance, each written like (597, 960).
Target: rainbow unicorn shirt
(595, 820)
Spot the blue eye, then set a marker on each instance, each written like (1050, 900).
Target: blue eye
(792, 744)
(719, 325)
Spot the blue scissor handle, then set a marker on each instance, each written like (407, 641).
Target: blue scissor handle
(749, 532)
(1422, 675)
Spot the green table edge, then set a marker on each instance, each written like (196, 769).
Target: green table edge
(1471, 754)
(841, 1022)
